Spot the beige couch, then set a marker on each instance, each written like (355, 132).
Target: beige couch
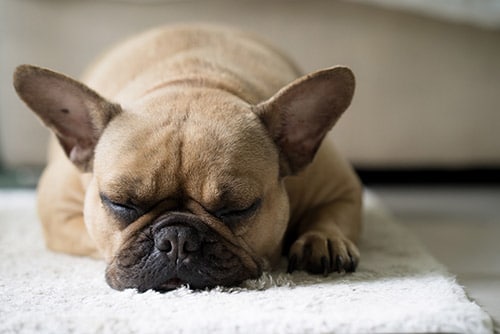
(428, 91)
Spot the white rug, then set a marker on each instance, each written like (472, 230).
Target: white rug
(398, 287)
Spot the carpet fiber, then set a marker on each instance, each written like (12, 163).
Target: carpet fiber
(398, 287)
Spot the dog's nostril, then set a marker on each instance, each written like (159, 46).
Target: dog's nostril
(191, 246)
(164, 245)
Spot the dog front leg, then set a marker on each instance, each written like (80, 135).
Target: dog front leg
(327, 238)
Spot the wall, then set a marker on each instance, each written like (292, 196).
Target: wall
(427, 89)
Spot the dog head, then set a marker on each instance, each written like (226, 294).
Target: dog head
(187, 182)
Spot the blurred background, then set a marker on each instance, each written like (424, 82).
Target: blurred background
(422, 130)
(428, 72)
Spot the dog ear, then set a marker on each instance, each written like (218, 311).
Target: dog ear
(299, 116)
(76, 114)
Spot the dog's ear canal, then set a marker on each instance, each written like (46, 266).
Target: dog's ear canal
(300, 115)
(76, 114)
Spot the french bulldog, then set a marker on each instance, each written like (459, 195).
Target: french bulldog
(194, 155)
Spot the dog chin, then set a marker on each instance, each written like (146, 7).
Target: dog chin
(195, 281)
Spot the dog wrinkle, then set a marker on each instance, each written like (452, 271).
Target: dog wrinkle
(143, 268)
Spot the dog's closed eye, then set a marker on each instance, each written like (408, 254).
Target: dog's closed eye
(230, 215)
(124, 212)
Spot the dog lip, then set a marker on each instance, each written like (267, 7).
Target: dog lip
(171, 284)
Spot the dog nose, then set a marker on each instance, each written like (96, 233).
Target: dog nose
(177, 241)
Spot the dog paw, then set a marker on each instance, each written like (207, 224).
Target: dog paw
(320, 254)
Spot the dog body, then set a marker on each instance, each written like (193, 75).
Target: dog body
(192, 163)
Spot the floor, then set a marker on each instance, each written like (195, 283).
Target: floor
(461, 228)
